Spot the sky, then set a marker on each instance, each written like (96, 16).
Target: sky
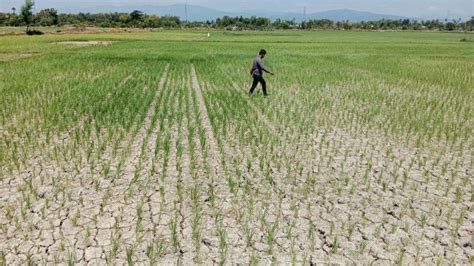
(409, 8)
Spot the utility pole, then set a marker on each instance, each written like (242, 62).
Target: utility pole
(186, 11)
(447, 16)
(472, 22)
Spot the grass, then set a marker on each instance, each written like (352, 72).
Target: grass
(365, 141)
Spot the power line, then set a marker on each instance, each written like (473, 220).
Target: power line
(447, 16)
(186, 10)
(304, 13)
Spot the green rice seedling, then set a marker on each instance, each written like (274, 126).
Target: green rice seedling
(4, 228)
(393, 228)
(139, 215)
(94, 220)
(424, 220)
(174, 234)
(129, 253)
(62, 245)
(401, 257)
(179, 190)
(249, 235)
(289, 230)
(270, 238)
(405, 180)
(448, 188)
(76, 217)
(150, 253)
(335, 245)
(160, 248)
(459, 221)
(458, 194)
(331, 228)
(212, 195)
(29, 258)
(3, 259)
(350, 229)
(311, 236)
(362, 246)
(87, 236)
(115, 240)
(197, 237)
(223, 245)
(70, 259)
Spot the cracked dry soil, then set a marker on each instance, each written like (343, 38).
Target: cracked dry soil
(178, 192)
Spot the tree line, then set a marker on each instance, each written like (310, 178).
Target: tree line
(51, 17)
(138, 19)
(326, 24)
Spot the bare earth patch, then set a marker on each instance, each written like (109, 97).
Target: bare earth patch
(87, 43)
(14, 56)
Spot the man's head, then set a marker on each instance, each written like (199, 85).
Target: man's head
(262, 53)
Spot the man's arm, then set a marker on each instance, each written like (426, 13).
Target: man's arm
(262, 68)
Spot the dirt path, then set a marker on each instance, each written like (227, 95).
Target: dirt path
(198, 187)
(186, 182)
(215, 155)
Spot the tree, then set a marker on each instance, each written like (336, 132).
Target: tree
(27, 14)
(47, 17)
(136, 18)
(450, 26)
(136, 15)
(170, 21)
(14, 10)
(123, 20)
(152, 21)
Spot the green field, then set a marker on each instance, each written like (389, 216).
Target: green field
(149, 150)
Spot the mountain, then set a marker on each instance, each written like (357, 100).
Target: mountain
(195, 13)
(352, 15)
(199, 13)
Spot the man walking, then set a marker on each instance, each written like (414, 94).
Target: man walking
(257, 72)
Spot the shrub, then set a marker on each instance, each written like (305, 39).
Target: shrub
(34, 32)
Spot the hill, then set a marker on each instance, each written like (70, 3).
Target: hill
(199, 13)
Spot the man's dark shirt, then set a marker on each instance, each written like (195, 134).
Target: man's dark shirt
(258, 68)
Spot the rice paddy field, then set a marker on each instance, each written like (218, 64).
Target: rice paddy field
(145, 148)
